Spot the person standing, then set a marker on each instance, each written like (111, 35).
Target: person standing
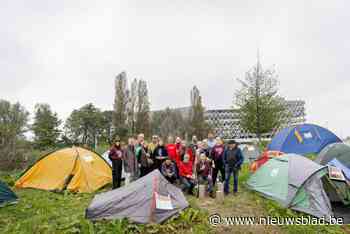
(171, 149)
(205, 148)
(160, 154)
(116, 156)
(211, 140)
(130, 162)
(194, 147)
(217, 155)
(141, 155)
(153, 145)
(233, 159)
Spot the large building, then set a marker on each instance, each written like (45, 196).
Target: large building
(225, 122)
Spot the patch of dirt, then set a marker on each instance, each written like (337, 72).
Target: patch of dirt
(241, 205)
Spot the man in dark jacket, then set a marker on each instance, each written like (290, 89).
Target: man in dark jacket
(217, 155)
(233, 159)
(116, 156)
(159, 154)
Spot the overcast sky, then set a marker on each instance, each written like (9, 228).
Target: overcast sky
(67, 53)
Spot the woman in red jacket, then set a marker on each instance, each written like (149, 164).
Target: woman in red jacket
(186, 174)
(171, 150)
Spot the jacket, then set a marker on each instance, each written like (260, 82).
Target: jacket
(130, 162)
(141, 155)
(207, 168)
(217, 154)
(160, 151)
(168, 169)
(172, 152)
(115, 153)
(238, 157)
(185, 169)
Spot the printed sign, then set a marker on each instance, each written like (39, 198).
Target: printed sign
(308, 135)
(335, 173)
(163, 202)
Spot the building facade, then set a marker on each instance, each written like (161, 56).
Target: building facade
(225, 122)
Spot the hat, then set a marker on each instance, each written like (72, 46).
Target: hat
(117, 138)
(232, 142)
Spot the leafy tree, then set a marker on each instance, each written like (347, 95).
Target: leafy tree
(107, 127)
(85, 125)
(13, 124)
(197, 124)
(45, 127)
(120, 105)
(260, 109)
(142, 123)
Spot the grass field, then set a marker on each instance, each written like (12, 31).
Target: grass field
(46, 212)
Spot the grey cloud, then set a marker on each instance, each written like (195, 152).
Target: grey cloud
(67, 53)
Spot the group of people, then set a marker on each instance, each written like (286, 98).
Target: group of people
(179, 162)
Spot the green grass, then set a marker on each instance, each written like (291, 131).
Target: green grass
(46, 212)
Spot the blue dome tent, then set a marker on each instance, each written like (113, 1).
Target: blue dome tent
(302, 139)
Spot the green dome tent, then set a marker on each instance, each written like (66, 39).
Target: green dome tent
(338, 155)
(295, 182)
(6, 195)
(339, 151)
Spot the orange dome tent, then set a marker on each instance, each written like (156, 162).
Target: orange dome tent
(75, 169)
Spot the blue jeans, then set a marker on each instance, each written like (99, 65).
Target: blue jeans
(188, 184)
(228, 171)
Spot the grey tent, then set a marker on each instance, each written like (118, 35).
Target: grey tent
(339, 151)
(137, 201)
(295, 182)
(250, 152)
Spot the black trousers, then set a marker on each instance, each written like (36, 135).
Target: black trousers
(117, 167)
(144, 171)
(221, 168)
(171, 179)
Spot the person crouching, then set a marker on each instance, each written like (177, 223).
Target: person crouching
(168, 170)
(204, 170)
(186, 177)
(116, 155)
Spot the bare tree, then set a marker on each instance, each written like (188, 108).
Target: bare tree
(120, 105)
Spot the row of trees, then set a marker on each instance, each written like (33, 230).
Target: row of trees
(132, 114)
(260, 110)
